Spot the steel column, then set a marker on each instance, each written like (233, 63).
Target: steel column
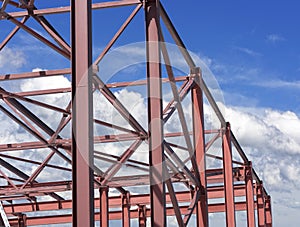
(22, 220)
(228, 178)
(155, 123)
(249, 196)
(104, 207)
(142, 215)
(126, 209)
(261, 215)
(269, 222)
(82, 114)
(199, 146)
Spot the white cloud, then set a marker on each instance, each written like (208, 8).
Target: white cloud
(271, 130)
(275, 38)
(248, 51)
(11, 59)
(270, 139)
(278, 84)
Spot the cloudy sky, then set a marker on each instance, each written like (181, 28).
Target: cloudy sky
(251, 48)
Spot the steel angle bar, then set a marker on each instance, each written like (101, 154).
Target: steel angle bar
(38, 74)
(43, 92)
(62, 124)
(5, 95)
(118, 34)
(4, 4)
(167, 21)
(9, 180)
(12, 33)
(116, 162)
(113, 126)
(24, 176)
(36, 173)
(124, 157)
(171, 107)
(191, 207)
(181, 165)
(118, 105)
(24, 110)
(38, 36)
(53, 33)
(178, 105)
(118, 158)
(212, 140)
(177, 146)
(13, 3)
(34, 162)
(172, 194)
(27, 126)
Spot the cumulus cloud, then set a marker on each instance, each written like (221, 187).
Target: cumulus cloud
(11, 59)
(269, 137)
(271, 140)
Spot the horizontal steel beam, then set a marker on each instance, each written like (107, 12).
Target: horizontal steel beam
(138, 180)
(117, 215)
(67, 9)
(116, 201)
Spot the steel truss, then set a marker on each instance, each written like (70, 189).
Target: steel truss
(235, 185)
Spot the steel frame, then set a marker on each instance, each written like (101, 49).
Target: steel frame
(23, 194)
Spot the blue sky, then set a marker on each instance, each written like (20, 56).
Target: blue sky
(252, 49)
(253, 45)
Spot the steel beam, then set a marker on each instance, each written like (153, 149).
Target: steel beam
(117, 215)
(82, 115)
(67, 9)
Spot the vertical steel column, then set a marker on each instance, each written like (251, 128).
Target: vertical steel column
(22, 220)
(82, 114)
(104, 207)
(155, 122)
(142, 215)
(261, 215)
(126, 209)
(228, 178)
(249, 196)
(199, 146)
(268, 212)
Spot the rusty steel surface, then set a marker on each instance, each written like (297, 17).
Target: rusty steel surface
(134, 170)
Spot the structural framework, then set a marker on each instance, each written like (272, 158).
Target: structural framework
(172, 181)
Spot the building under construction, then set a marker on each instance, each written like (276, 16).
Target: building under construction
(76, 165)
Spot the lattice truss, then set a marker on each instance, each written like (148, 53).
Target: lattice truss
(160, 144)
